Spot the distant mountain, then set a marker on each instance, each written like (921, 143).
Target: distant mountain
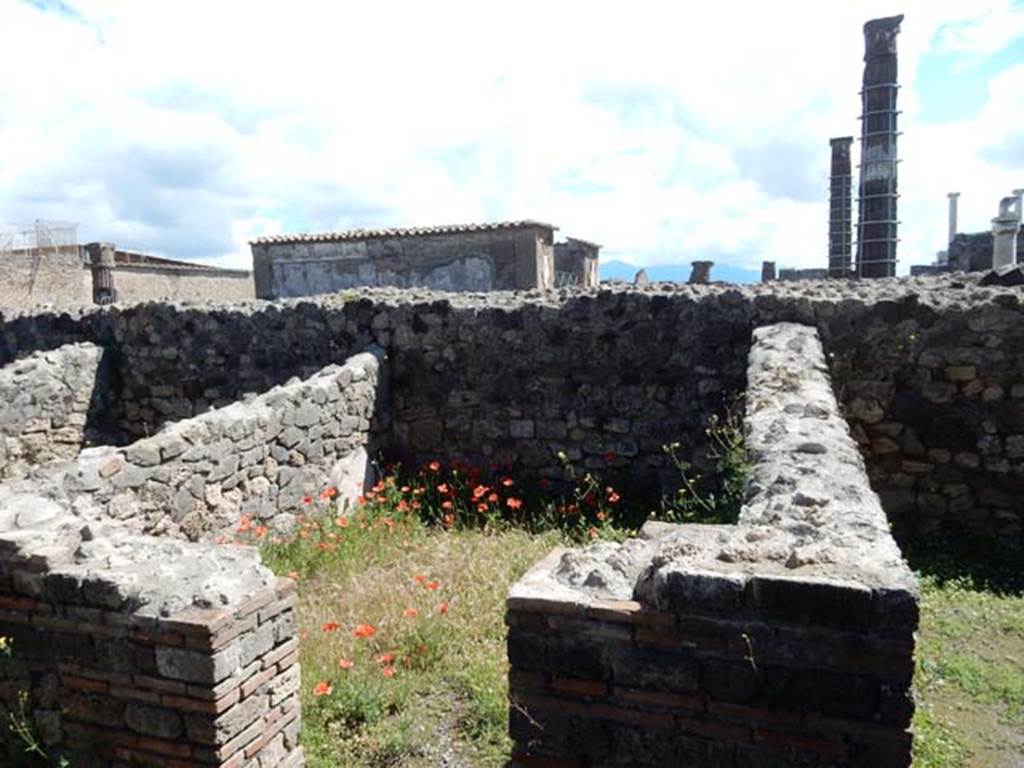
(677, 273)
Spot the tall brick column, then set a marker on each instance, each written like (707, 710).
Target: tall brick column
(840, 224)
(876, 221)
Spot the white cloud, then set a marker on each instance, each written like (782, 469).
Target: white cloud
(662, 132)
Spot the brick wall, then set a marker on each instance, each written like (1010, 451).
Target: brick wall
(135, 650)
(139, 282)
(54, 277)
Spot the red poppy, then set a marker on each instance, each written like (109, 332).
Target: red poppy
(434, 466)
(323, 688)
(448, 520)
(513, 502)
(328, 493)
(443, 488)
(388, 671)
(386, 658)
(365, 630)
(432, 585)
(341, 522)
(346, 663)
(411, 612)
(442, 608)
(307, 499)
(507, 482)
(419, 578)
(330, 626)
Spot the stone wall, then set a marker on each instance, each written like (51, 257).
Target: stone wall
(262, 459)
(142, 651)
(54, 277)
(786, 640)
(516, 377)
(141, 282)
(972, 252)
(49, 403)
(502, 257)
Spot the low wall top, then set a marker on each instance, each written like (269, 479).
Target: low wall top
(812, 543)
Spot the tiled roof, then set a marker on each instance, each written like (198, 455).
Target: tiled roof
(370, 234)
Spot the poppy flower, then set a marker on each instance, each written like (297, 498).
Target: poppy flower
(447, 505)
(328, 493)
(448, 520)
(346, 663)
(323, 688)
(442, 608)
(342, 522)
(513, 502)
(432, 585)
(434, 466)
(386, 658)
(443, 488)
(507, 482)
(365, 630)
(493, 498)
(307, 500)
(592, 532)
(479, 491)
(330, 626)
(388, 671)
(412, 613)
(419, 578)
(481, 507)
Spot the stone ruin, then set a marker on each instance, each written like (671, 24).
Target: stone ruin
(133, 437)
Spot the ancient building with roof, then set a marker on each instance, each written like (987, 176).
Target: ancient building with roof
(510, 255)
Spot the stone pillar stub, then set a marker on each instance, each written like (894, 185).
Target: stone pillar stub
(101, 261)
(767, 271)
(701, 272)
(1004, 240)
(953, 199)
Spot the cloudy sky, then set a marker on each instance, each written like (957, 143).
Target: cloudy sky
(664, 132)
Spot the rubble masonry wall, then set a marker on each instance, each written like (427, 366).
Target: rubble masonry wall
(786, 640)
(46, 401)
(262, 458)
(928, 371)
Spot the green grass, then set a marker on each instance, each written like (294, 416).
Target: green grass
(447, 699)
(969, 681)
(430, 679)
